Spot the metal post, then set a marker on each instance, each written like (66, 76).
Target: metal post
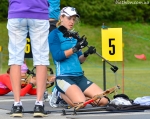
(104, 75)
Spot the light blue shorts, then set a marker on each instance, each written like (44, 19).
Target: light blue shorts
(17, 31)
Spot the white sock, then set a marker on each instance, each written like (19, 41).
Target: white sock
(39, 103)
(18, 103)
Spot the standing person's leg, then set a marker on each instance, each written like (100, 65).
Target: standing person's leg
(15, 81)
(41, 77)
(39, 30)
(17, 32)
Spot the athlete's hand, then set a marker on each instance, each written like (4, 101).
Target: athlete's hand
(51, 78)
(80, 45)
(90, 50)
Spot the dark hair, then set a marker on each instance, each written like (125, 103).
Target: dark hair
(8, 70)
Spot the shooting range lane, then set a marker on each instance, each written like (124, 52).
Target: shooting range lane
(28, 104)
(28, 101)
(135, 115)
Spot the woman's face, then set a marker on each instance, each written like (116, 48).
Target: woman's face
(68, 22)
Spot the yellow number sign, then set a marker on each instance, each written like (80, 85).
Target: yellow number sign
(0, 48)
(112, 44)
(28, 46)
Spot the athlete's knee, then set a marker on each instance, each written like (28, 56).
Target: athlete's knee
(104, 101)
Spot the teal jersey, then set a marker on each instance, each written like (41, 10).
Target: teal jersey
(65, 66)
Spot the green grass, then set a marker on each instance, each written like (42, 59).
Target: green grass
(136, 80)
(133, 72)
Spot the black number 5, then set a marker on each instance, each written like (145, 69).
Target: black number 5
(111, 52)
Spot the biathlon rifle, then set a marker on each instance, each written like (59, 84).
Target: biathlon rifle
(98, 96)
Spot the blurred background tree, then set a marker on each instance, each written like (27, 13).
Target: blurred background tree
(94, 12)
(3, 10)
(97, 11)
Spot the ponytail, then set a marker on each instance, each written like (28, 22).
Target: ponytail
(58, 23)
